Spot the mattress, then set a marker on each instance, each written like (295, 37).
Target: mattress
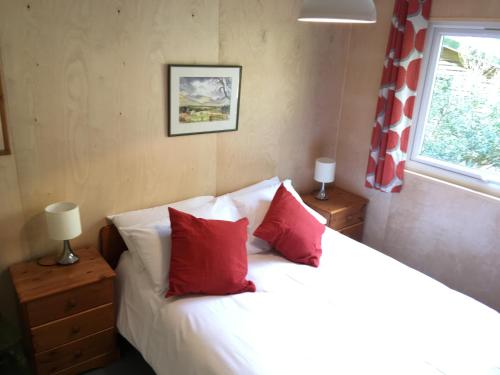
(360, 312)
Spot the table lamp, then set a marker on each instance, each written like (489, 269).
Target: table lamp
(63, 223)
(324, 172)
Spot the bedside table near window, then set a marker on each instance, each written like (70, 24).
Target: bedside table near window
(67, 313)
(344, 211)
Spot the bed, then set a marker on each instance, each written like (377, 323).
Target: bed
(360, 312)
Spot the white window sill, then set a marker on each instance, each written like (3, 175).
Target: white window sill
(455, 180)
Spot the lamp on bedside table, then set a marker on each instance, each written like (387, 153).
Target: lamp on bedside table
(324, 172)
(63, 223)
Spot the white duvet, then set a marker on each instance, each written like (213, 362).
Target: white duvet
(360, 312)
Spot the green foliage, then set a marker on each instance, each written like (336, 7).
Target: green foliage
(188, 114)
(451, 43)
(463, 125)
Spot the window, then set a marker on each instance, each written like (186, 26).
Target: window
(457, 130)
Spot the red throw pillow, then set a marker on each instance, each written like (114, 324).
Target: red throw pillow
(208, 256)
(291, 230)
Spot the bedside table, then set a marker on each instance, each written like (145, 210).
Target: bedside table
(67, 313)
(344, 211)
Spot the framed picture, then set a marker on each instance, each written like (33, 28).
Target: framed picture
(4, 137)
(203, 99)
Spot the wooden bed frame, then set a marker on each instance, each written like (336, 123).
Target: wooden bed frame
(111, 244)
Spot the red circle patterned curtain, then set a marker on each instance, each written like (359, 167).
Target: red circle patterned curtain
(396, 99)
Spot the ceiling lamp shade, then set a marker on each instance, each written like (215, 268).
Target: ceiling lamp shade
(338, 11)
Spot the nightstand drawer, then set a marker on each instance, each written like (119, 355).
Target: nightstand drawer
(354, 231)
(325, 214)
(75, 352)
(60, 305)
(62, 331)
(100, 361)
(347, 217)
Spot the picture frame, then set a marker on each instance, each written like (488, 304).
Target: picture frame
(4, 136)
(203, 99)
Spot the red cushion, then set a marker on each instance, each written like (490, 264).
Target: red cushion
(208, 256)
(291, 230)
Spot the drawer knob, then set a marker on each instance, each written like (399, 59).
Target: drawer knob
(349, 217)
(77, 354)
(75, 330)
(71, 303)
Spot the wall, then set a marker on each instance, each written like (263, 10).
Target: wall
(294, 74)
(448, 232)
(85, 87)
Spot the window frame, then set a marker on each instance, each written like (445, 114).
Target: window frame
(429, 166)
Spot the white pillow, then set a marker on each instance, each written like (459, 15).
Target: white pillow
(255, 204)
(147, 216)
(260, 185)
(152, 243)
(154, 214)
(151, 252)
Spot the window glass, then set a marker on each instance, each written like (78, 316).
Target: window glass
(458, 124)
(462, 123)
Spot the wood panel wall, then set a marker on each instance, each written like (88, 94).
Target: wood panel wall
(85, 87)
(292, 86)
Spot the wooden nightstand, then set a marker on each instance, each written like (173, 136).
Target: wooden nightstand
(67, 313)
(344, 211)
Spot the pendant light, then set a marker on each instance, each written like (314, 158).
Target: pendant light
(339, 11)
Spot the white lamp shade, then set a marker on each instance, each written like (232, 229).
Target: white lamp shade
(341, 11)
(324, 170)
(63, 220)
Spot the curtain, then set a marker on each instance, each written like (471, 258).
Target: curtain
(389, 142)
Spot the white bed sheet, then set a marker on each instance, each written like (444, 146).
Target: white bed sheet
(360, 312)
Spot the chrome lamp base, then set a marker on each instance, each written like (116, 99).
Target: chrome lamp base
(67, 256)
(321, 195)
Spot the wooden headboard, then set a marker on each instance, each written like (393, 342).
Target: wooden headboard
(111, 244)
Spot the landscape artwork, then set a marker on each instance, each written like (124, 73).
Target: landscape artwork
(203, 99)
